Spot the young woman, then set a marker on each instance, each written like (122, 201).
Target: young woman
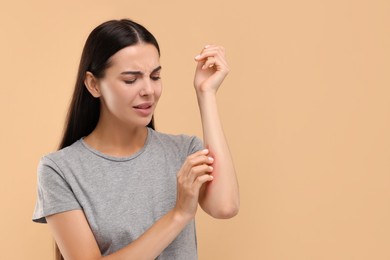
(118, 189)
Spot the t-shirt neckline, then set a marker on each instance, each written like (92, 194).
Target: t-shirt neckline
(116, 158)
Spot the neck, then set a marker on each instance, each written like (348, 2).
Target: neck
(117, 139)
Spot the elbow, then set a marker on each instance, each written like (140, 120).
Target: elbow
(226, 212)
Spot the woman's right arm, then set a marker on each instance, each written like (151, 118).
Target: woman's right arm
(77, 242)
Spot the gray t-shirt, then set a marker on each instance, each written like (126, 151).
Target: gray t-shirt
(121, 197)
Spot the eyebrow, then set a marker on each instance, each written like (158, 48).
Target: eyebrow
(139, 72)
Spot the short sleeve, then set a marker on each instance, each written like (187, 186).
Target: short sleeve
(54, 193)
(195, 145)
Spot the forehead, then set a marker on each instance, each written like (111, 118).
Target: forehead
(142, 57)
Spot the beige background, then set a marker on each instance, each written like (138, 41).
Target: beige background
(306, 110)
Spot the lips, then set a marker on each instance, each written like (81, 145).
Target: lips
(144, 105)
(144, 109)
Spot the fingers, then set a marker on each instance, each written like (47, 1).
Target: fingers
(212, 56)
(199, 171)
(199, 181)
(211, 50)
(195, 178)
(210, 62)
(196, 171)
(199, 157)
(196, 165)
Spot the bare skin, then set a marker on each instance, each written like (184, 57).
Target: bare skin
(206, 178)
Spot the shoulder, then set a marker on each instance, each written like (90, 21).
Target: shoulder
(185, 143)
(174, 138)
(64, 156)
(64, 152)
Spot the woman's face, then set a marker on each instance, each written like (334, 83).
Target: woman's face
(131, 86)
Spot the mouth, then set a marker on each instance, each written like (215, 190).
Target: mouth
(144, 109)
(146, 105)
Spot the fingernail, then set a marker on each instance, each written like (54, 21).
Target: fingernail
(206, 150)
(211, 168)
(206, 46)
(197, 56)
(211, 177)
(211, 159)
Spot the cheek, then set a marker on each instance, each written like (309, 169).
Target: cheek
(112, 95)
(158, 91)
(109, 95)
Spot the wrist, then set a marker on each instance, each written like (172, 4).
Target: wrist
(181, 217)
(206, 95)
(206, 88)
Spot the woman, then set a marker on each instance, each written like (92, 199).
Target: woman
(118, 189)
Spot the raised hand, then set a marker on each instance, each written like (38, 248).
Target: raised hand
(211, 69)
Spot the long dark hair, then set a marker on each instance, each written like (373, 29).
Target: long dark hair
(103, 42)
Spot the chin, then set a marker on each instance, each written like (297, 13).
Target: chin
(144, 122)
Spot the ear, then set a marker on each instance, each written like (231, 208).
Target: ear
(91, 83)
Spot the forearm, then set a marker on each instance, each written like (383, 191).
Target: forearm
(219, 198)
(76, 240)
(150, 244)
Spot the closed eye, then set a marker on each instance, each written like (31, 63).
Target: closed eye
(130, 81)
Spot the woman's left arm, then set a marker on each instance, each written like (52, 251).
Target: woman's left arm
(220, 197)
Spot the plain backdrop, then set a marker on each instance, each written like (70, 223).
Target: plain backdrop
(305, 109)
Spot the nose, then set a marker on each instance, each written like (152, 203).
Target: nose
(147, 88)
